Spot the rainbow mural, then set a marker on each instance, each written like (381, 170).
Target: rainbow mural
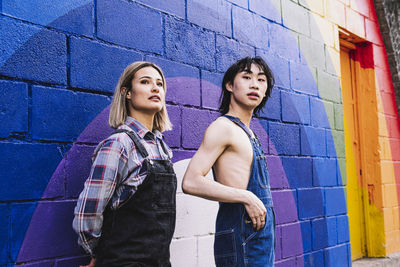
(61, 59)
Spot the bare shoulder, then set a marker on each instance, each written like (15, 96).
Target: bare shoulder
(221, 129)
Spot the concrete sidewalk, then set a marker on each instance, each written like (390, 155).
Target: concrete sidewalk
(392, 260)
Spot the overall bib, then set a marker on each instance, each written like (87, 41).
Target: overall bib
(236, 242)
(139, 231)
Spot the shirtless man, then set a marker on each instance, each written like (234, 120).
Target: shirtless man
(245, 228)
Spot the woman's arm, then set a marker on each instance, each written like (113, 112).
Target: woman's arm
(104, 176)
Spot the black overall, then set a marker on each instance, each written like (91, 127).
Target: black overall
(139, 231)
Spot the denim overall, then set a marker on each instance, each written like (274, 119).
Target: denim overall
(236, 242)
(139, 232)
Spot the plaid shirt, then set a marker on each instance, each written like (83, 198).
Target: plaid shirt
(114, 177)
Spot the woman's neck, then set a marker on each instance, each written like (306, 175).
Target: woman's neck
(144, 118)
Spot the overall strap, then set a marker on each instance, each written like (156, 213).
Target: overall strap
(139, 146)
(240, 124)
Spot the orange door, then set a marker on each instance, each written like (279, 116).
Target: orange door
(353, 155)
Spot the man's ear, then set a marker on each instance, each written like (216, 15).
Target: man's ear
(228, 87)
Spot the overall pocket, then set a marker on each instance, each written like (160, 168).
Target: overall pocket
(225, 248)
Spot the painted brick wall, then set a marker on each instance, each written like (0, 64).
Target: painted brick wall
(60, 61)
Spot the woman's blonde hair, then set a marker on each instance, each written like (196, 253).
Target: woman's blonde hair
(119, 105)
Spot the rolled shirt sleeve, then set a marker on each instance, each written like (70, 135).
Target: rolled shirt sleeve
(109, 163)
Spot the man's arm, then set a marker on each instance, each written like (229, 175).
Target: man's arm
(216, 139)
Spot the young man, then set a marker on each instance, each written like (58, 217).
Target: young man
(245, 229)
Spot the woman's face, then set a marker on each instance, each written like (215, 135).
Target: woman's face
(147, 94)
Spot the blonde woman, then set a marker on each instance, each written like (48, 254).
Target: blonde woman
(125, 215)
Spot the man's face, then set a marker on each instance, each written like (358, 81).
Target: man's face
(249, 87)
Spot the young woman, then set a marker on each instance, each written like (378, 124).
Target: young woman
(125, 215)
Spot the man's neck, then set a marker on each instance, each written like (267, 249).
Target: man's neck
(243, 114)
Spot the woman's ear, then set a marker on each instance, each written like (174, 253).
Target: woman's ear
(124, 91)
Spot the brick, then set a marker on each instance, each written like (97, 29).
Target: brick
(306, 235)
(173, 137)
(24, 163)
(279, 67)
(229, 51)
(310, 203)
(362, 8)
(285, 206)
(320, 111)
(278, 247)
(182, 154)
(380, 57)
(335, 12)
(205, 251)
(242, 3)
(285, 138)
(211, 89)
(332, 228)
(20, 217)
(74, 261)
(302, 79)
(183, 81)
(277, 173)
(329, 87)
(314, 259)
(389, 195)
(320, 238)
(295, 108)
(189, 44)
(194, 124)
(286, 262)
(296, 17)
(292, 246)
(203, 216)
(57, 216)
(284, 42)
(343, 229)
(372, 32)
(4, 238)
(322, 30)
(211, 14)
(335, 201)
(337, 256)
(98, 129)
(14, 108)
(314, 6)
(312, 52)
(268, 9)
(189, 245)
(298, 171)
(338, 112)
(114, 24)
(175, 7)
(355, 22)
(341, 171)
(250, 28)
(50, 115)
(383, 80)
(312, 141)
(44, 263)
(77, 169)
(332, 60)
(260, 128)
(32, 53)
(76, 17)
(100, 72)
(272, 109)
(336, 148)
(324, 172)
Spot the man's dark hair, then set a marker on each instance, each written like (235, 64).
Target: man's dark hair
(244, 64)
